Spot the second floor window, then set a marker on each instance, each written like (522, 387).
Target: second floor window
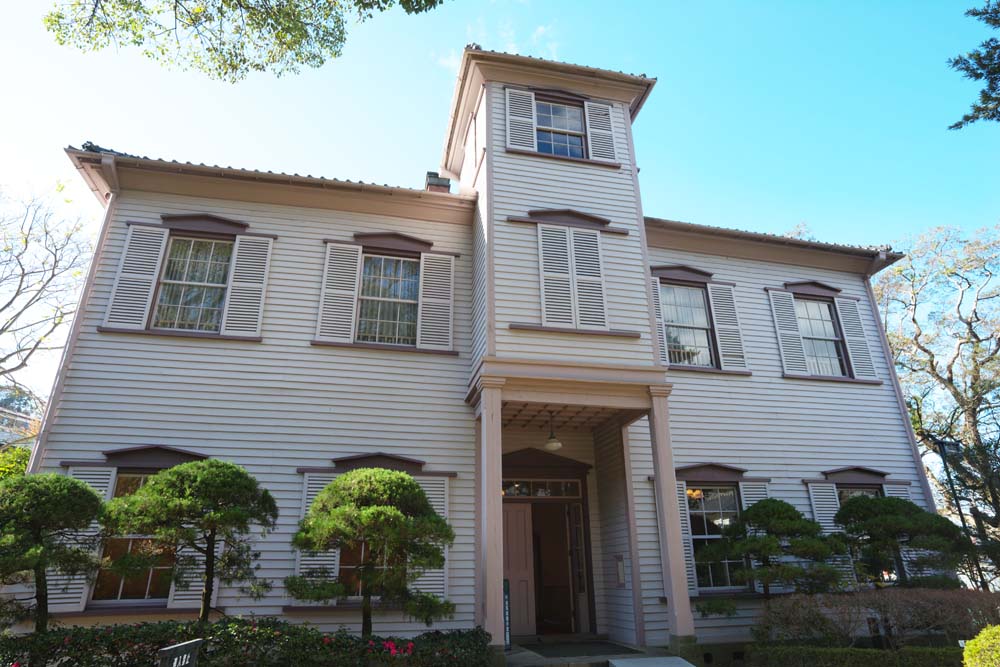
(559, 129)
(821, 337)
(388, 300)
(193, 286)
(687, 325)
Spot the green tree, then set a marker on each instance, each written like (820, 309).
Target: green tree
(205, 511)
(384, 516)
(41, 522)
(226, 39)
(780, 548)
(13, 462)
(884, 530)
(982, 64)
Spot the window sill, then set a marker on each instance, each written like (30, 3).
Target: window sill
(830, 378)
(129, 610)
(616, 333)
(202, 335)
(384, 347)
(566, 158)
(349, 605)
(705, 369)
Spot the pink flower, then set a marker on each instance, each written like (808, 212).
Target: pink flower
(326, 640)
(66, 641)
(409, 648)
(16, 664)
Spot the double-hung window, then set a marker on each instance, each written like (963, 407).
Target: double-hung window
(150, 584)
(559, 129)
(821, 338)
(388, 300)
(711, 509)
(563, 125)
(687, 325)
(847, 491)
(192, 290)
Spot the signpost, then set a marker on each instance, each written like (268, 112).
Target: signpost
(179, 655)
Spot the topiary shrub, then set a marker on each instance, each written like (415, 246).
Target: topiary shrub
(984, 649)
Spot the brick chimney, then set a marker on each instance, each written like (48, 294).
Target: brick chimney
(435, 183)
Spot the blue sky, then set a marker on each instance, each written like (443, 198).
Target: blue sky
(766, 114)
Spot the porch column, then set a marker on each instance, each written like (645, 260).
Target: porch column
(491, 507)
(675, 586)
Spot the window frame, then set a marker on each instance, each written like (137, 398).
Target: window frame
(402, 256)
(542, 98)
(712, 340)
(729, 564)
(161, 281)
(840, 341)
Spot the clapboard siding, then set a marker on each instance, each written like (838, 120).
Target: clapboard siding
(521, 183)
(282, 403)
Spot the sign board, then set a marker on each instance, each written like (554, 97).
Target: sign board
(506, 614)
(179, 655)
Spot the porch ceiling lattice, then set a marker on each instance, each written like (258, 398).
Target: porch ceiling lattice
(536, 415)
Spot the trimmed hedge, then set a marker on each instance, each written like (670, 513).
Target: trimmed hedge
(984, 650)
(240, 643)
(762, 655)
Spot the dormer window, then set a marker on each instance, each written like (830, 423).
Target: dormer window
(559, 129)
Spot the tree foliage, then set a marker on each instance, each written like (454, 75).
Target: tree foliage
(41, 519)
(982, 64)
(781, 548)
(205, 511)
(941, 306)
(384, 515)
(226, 39)
(884, 531)
(13, 462)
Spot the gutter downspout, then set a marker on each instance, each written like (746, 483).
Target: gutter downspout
(878, 263)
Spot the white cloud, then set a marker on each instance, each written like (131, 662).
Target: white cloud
(450, 61)
(543, 43)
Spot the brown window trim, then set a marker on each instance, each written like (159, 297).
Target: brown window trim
(418, 473)
(816, 293)
(831, 378)
(566, 158)
(678, 368)
(133, 610)
(568, 217)
(371, 248)
(203, 231)
(679, 273)
(385, 347)
(349, 604)
(812, 288)
(615, 333)
(560, 96)
(713, 473)
(177, 333)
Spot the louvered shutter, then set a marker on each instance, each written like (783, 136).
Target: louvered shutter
(247, 286)
(750, 493)
(660, 332)
(435, 313)
(689, 565)
(588, 279)
(435, 582)
(909, 556)
(825, 504)
(186, 589)
(322, 561)
(557, 282)
(786, 323)
(521, 120)
(600, 132)
(728, 336)
(855, 341)
(70, 593)
(339, 293)
(135, 283)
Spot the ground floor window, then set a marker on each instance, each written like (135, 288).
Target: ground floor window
(846, 492)
(152, 583)
(711, 510)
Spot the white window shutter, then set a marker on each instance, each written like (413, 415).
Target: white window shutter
(825, 504)
(135, 283)
(660, 333)
(435, 313)
(600, 132)
(896, 491)
(185, 591)
(339, 293)
(70, 593)
(521, 120)
(591, 309)
(682, 506)
(855, 341)
(728, 336)
(786, 323)
(752, 492)
(556, 279)
(247, 286)
(435, 582)
(328, 561)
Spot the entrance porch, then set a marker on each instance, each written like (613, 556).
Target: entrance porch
(556, 517)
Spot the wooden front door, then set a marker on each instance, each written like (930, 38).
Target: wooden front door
(519, 567)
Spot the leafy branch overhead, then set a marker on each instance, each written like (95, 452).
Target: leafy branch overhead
(226, 39)
(982, 64)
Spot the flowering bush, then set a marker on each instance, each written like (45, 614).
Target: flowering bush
(243, 643)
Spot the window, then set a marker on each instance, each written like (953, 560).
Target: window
(845, 492)
(193, 285)
(387, 305)
(821, 337)
(687, 325)
(559, 129)
(712, 509)
(152, 583)
(352, 559)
